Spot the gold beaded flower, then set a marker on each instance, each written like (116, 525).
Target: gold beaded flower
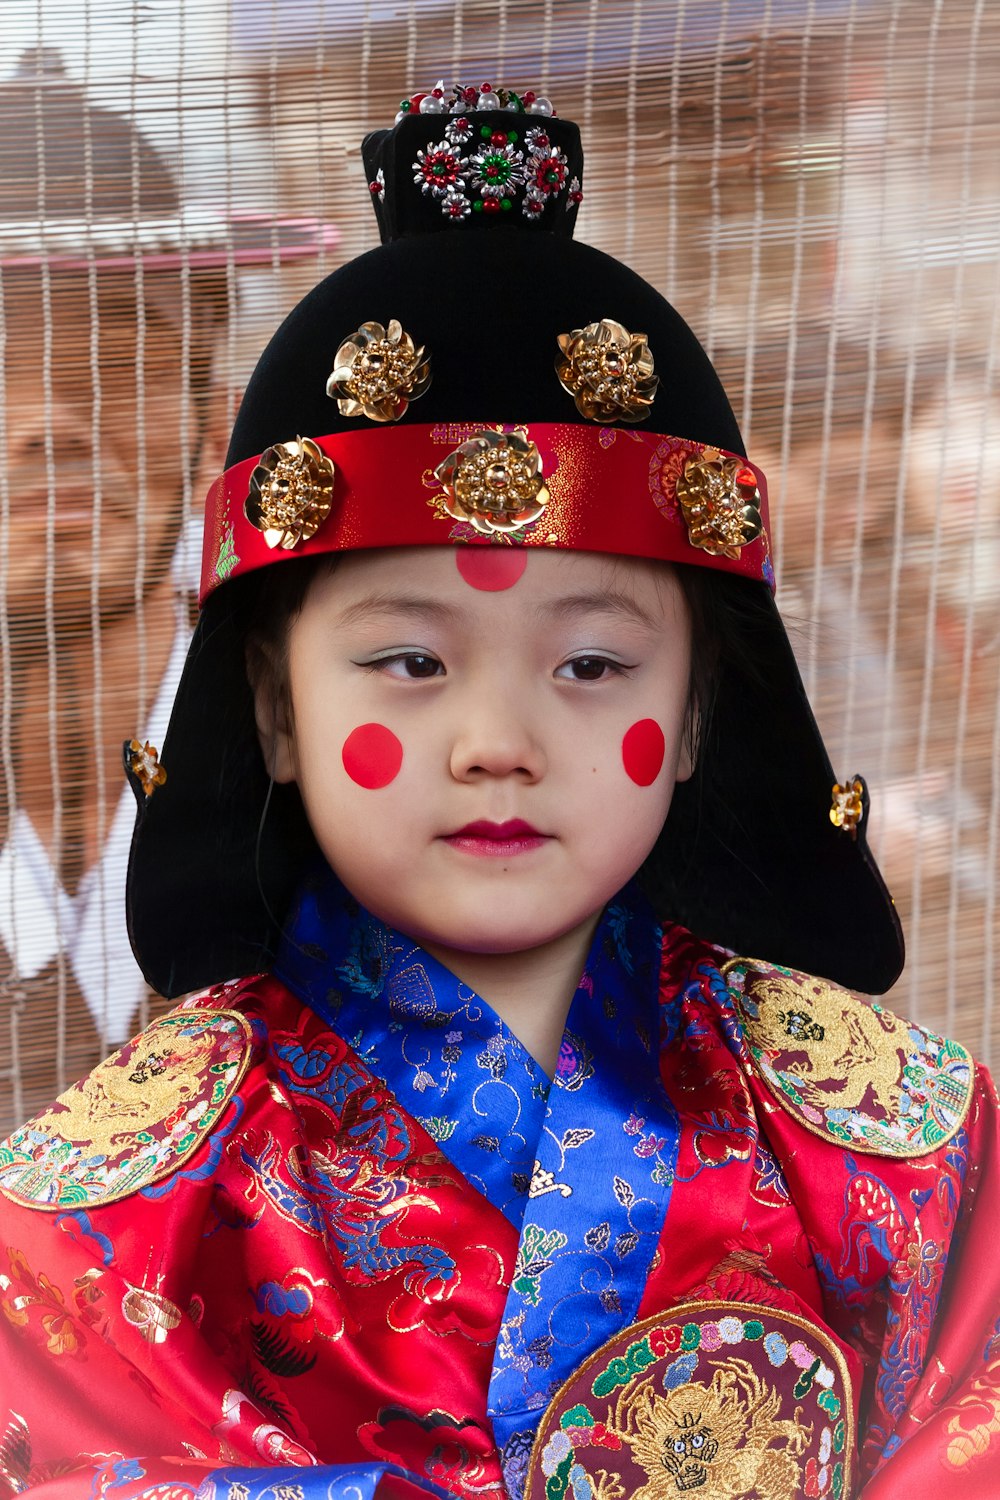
(291, 493)
(847, 807)
(143, 763)
(378, 372)
(494, 482)
(608, 371)
(720, 502)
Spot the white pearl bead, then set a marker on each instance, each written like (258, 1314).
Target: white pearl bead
(540, 106)
(431, 106)
(488, 101)
(401, 116)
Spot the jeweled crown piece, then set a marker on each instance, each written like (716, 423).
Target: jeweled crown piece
(291, 493)
(608, 371)
(465, 157)
(494, 482)
(720, 503)
(377, 372)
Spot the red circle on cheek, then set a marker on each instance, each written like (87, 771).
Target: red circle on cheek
(372, 756)
(643, 749)
(491, 568)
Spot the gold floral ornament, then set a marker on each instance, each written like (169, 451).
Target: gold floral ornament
(144, 764)
(291, 493)
(720, 503)
(608, 371)
(378, 372)
(847, 806)
(494, 482)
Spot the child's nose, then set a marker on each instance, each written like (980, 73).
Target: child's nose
(495, 738)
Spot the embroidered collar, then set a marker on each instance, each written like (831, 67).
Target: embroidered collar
(583, 1168)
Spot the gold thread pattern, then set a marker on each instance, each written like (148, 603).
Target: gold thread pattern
(377, 372)
(718, 1399)
(848, 1071)
(135, 1118)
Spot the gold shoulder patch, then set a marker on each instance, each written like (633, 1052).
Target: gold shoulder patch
(135, 1119)
(848, 1071)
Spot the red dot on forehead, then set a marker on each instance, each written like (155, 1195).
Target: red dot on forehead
(491, 568)
(643, 749)
(372, 756)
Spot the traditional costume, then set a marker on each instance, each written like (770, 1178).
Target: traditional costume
(329, 1229)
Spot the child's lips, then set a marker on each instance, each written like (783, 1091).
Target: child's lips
(497, 840)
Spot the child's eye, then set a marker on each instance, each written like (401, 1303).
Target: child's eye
(590, 668)
(406, 664)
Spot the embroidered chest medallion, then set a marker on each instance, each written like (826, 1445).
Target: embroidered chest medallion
(715, 1399)
(850, 1072)
(134, 1119)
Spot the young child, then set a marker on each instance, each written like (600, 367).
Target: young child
(489, 693)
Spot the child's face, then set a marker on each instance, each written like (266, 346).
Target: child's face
(423, 703)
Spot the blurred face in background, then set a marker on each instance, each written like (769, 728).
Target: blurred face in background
(101, 426)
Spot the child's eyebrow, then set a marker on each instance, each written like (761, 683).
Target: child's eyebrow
(418, 607)
(415, 606)
(603, 602)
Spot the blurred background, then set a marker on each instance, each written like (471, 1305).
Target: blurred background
(815, 184)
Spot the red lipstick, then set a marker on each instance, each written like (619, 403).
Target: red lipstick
(496, 840)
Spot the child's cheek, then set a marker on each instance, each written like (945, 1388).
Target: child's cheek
(643, 749)
(491, 568)
(372, 756)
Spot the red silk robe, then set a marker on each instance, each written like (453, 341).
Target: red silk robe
(234, 1258)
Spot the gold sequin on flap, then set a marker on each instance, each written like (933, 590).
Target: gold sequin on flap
(720, 503)
(144, 764)
(291, 493)
(847, 805)
(377, 372)
(848, 1071)
(608, 372)
(136, 1118)
(494, 482)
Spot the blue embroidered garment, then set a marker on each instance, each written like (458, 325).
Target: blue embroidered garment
(560, 1160)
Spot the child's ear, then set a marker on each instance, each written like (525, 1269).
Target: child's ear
(272, 712)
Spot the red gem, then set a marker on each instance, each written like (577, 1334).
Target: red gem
(491, 170)
(470, 96)
(461, 123)
(491, 205)
(455, 210)
(529, 97)
(541, 140)
(374, 187)
(415, 101)
(438, 93)
(486, 88)
(498, 138)
(748, 477)
(577, 197)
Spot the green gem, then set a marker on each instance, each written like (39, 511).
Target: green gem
(485, 132)
(505, 203)
(404, 104)
(478, 205)
(438, 168)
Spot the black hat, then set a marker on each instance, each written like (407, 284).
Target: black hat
(549, 397)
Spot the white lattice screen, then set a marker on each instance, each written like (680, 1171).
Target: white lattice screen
(814, 183)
